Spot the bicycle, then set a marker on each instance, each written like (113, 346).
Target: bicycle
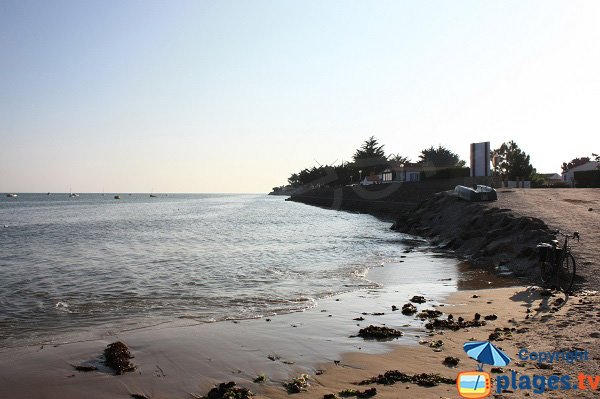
(557, 262)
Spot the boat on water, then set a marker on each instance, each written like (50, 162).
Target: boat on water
(12, 195)
(117, 197)
(73, 195)
(152, 196)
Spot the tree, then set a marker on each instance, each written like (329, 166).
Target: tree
(597, 159)
(399, 159)
(512, 162)
(440, 157)
(574, 162)
(370, 150)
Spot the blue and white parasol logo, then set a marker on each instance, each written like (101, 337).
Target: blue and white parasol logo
(486, 353)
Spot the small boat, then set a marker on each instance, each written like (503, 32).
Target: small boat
(117, 197)
(12, 195)
(152, 196)
(476, 193)
(73, 195)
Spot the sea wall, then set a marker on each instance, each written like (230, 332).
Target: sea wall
(483, 233)
(383, 200)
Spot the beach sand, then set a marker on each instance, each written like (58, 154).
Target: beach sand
(183, 359)
(568, 210)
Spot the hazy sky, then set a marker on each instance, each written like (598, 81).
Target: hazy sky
(233, 96)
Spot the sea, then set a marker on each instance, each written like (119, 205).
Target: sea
(77, 268)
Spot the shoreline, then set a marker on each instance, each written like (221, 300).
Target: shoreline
(182, 361)
(176, 361)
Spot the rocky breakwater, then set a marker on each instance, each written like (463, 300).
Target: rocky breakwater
(487, 235)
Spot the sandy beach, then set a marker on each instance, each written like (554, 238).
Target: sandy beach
(186, 359)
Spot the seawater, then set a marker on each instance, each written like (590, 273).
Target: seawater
(76, 268)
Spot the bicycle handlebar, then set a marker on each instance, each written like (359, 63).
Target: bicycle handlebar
(574, 235)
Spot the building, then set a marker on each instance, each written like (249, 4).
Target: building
(371, 179)
(569, 175)
(552, 178)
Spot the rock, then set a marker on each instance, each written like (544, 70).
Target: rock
(359, 318)
(374, 332)
(117, 357)
(491, 317)
(497, 370)
(409, 309)
(418, 299)
(475, 296)
(394, 308)
(477, 316)
(330, 396)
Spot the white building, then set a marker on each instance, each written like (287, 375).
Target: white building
(569, 176)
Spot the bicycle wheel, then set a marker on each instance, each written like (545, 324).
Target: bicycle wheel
(546, 273)
(566, 273)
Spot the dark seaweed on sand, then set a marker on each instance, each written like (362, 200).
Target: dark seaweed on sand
(229, 390)
(117, 357)
(393, 376)
(374, 332)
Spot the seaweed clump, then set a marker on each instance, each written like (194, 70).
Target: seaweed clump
(451, 361)
(409, 309)
(374, 332)
(229, 390)
(452, 324)
(429, 314)
(418, 299)
(117, 357)
(367, 393)
(296, 385)
(393, 376)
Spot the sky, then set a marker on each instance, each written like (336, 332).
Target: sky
(234, 96)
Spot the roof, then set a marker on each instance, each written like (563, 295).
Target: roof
(552, 176)
(591, 165)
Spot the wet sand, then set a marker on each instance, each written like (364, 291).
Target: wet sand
(177, 359)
